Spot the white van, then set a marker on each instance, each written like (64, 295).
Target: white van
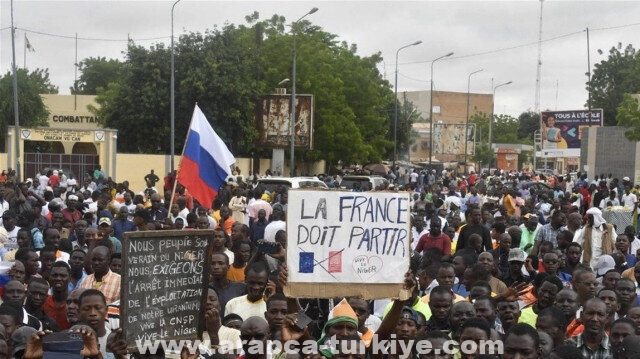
(271, 183)
(372, 182)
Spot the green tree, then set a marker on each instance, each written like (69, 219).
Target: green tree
(138, 104)
(354, 104)
(629, 116)
(505, 129)
(31, 108)
(482, 155)
(529, 123)
(612, 78)
(227, 70)
(95, 74)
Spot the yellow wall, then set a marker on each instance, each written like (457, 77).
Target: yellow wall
(70, 111)
(70, 114)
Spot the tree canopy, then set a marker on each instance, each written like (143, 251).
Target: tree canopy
(31, 109)
(95, 75)
(612, 78)
(226, 70)
(629, 116)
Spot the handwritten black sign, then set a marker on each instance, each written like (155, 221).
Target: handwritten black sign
(164, 283)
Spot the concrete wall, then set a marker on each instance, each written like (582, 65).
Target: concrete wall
(605, 150)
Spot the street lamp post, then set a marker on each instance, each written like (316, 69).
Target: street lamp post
(292, 128)
(431, 108)
(493, 104)
(16, 113)
(173, 97)
(466, 126)
(395, 121)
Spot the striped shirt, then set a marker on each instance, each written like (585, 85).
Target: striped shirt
(109, 286)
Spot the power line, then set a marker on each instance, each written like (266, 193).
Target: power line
(524, 45)
(73, 37)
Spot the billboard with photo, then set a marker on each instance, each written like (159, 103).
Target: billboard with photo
(562, 131)
(448, 139)
(274, 121)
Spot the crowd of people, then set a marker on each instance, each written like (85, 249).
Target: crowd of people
(493, 259)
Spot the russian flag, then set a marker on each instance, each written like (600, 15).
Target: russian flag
(206, 161)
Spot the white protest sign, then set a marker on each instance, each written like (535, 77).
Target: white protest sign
(348, 237)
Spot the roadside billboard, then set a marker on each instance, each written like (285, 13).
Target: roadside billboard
(274, 121)
(448, 139)
(562, 131)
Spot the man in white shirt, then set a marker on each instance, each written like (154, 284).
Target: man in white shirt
(251, 304)
(277, 224)
(629, 199)
(596, 238)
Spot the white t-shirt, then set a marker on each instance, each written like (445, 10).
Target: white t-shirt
(629, 200)
(244, 308)
(12, 238)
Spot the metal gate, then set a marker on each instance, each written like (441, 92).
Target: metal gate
(76, 164)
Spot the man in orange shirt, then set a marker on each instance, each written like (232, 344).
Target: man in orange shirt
(241, 255)
(226, 222)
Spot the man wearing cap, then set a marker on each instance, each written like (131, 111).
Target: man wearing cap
(104, 227)
(20, 337)
(604, 264)
(517, 257)
(141, 219)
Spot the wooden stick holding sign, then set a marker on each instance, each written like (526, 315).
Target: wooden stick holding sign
(164, 284)
(347, 243)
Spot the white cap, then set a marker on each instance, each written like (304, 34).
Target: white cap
(605, 263)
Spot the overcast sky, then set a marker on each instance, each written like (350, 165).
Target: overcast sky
(499, 37)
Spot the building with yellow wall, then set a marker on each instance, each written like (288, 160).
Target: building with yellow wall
(75, 142)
